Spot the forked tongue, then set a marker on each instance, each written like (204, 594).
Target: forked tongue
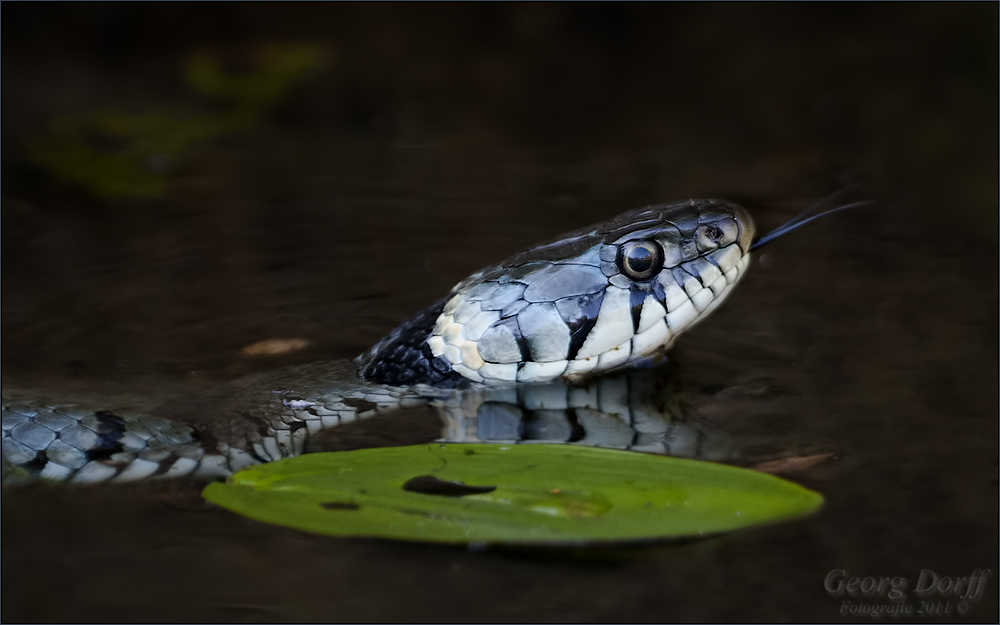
(802, 219)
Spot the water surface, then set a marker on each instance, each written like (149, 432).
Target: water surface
(433, 143)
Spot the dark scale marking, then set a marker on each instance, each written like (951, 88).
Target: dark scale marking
(253, 454)
(422, 368)
(110, 429)
(580, 314)
(681, 276)
(164, 465)
(628, 402)
(34, 466)
(637, 295)
(708, 259)
(693, 275)
(362, 405)
(404, 357)
(496, 341)
(522, 343)
(547, 424)
(439, 364)
(660, 293)
(577, 432)
(579, 334)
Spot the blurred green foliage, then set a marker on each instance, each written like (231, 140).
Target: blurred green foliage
(278, 68)
(113, 154)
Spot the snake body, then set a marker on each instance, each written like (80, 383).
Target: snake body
(542, 346)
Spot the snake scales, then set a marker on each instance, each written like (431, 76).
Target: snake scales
(552, 344)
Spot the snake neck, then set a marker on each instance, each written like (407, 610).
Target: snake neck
(403, 357)
(269, 417)
(207, 435)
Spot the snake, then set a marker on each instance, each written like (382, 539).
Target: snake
(554, 344)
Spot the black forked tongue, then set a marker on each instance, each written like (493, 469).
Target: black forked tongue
(800, 220)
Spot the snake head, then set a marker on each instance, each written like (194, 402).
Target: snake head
(614, 295)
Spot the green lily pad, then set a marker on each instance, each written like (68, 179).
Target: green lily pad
(460, 493)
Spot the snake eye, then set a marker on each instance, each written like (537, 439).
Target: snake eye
(640, 260)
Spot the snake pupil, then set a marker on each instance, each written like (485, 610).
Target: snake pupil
(640, 260)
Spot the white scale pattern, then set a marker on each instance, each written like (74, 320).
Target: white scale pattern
(479, 345)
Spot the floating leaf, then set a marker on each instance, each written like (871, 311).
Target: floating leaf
(459, 493)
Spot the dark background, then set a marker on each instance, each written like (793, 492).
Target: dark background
(426, 141)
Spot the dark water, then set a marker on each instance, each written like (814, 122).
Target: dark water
(433, 140)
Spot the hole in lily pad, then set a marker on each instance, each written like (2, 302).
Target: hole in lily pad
(339, 505)
(430, 485)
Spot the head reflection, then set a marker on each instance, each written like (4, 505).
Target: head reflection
(632, 410)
